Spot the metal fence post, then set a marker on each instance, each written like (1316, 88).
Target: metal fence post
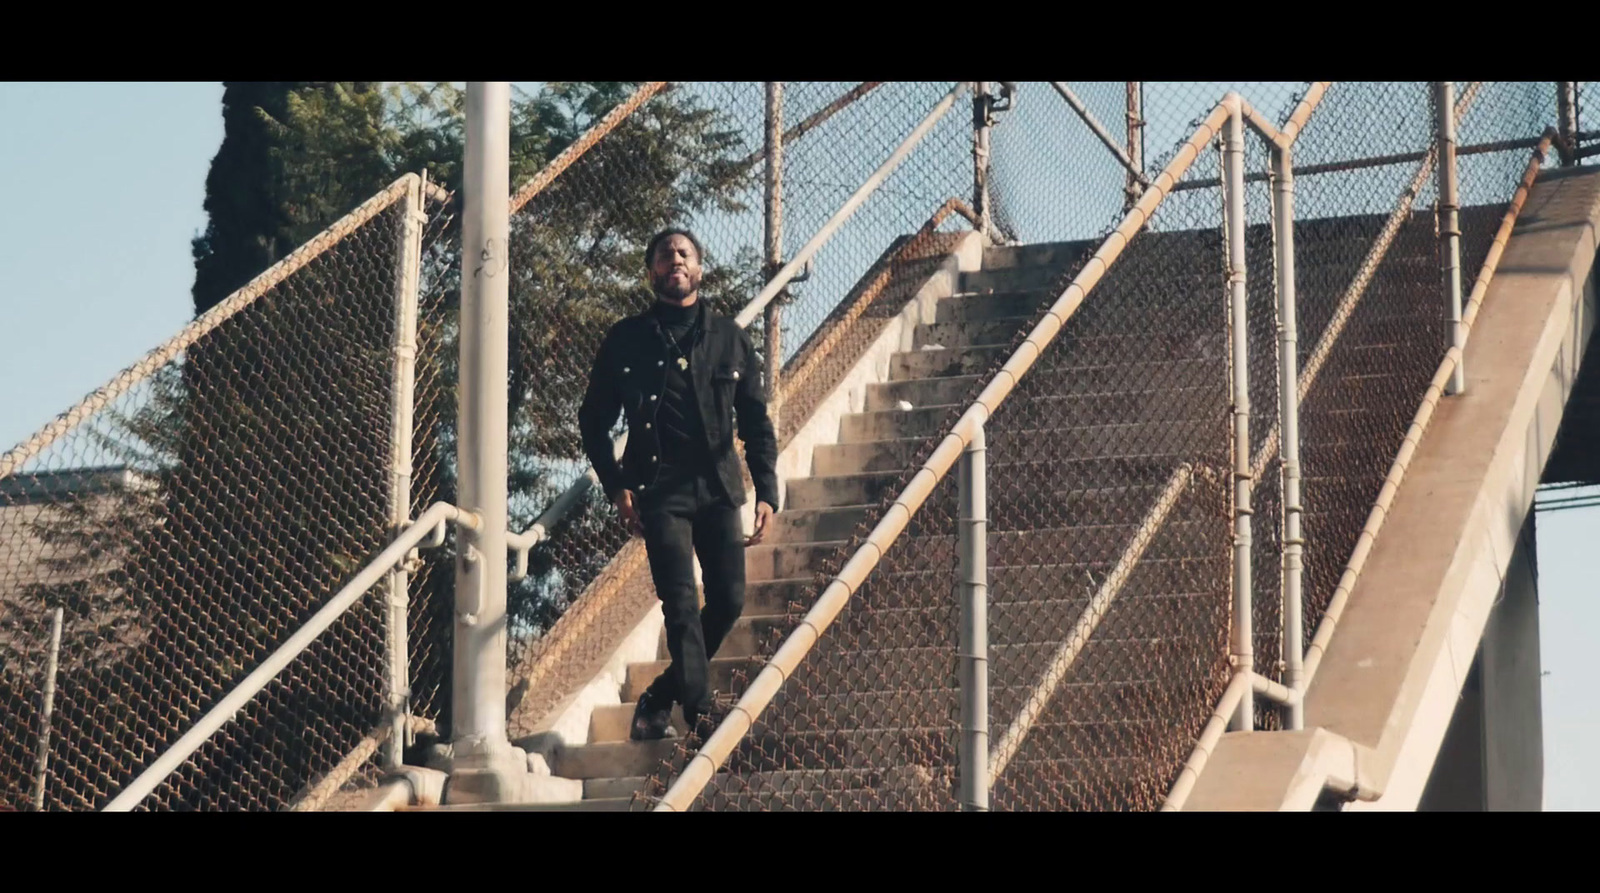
(1444, 103)
(1234, 222)
(1135, 143)
(974, 644)
(47, 710)
(982, 120)
(397, 643)
(1567, 109)
(483, 762)
(773, 319)
(1289, 425)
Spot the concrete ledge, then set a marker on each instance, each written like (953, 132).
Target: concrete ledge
(1400, 655)
(1279, 771)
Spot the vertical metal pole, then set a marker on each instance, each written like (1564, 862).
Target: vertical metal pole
(1289, 425)
(1444, 104)
(1239, 366)
(478, 696)
(982, 118)
(974, 526)
(1135, 141)
(42, 764)
(401, 412)
(773, 323)
(1567, 109)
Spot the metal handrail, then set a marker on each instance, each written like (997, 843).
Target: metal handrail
(431, 523)
(570, 498)
(716, 750)
(1380, 509)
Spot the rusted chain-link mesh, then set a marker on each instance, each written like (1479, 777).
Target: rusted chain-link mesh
(692, 155)
(1376, 309)
(188, 526)
(870, 720)
(1588, 115)
(1121, 427)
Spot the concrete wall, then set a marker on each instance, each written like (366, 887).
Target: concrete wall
(1492, 756)
(1378, 711)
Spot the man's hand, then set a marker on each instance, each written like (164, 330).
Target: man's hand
(630, 515)
(763, 520)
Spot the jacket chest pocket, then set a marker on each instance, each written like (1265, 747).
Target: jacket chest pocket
(724, 384)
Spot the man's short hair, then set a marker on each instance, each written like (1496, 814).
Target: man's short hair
(658, 238)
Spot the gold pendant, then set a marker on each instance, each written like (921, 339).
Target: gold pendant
(683, 363)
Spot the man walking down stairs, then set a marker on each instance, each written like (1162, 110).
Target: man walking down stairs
(680, 373)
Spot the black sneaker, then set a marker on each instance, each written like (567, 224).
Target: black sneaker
(651, 721)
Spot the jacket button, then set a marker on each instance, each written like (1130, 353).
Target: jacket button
(652, 458)
(736, 375)
(647, 426)
(652, 398)
(625, 370)
(661, 362)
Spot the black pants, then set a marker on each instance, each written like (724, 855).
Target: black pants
(684, 515)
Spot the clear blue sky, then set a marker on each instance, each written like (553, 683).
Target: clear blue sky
(106, 185)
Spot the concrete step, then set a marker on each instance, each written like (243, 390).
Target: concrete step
(1045, 619)
(924, 586)
(775, 561)
(942, 363)
(618, 759)
(748, 634)
(893, 424)
(1036, 254)
(974, 333)
(1002, 279)
(1178, 438)
(1064, 374)
(1024, 410)
(837, 490)
(976, 308)
(919, 392)
(611, 723)
(641, 674)
(814, 525)
(833, 459)
(778, 597)
(614, 788)
(1071, 350)
(1030, 409)
(841, 665)
(941, 705)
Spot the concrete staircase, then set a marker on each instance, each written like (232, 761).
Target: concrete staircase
(1134, 387)
(820, 512)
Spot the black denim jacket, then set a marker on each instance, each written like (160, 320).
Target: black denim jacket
(629, 375)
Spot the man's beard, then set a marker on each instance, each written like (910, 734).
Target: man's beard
(665, 287)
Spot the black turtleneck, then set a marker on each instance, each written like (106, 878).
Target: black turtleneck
(682, 432)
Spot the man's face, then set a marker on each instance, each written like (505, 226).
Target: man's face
(675, 269)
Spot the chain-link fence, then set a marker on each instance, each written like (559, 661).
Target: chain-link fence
(192, 522)
(693, 155)
(191, 516)
(1110, 541)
